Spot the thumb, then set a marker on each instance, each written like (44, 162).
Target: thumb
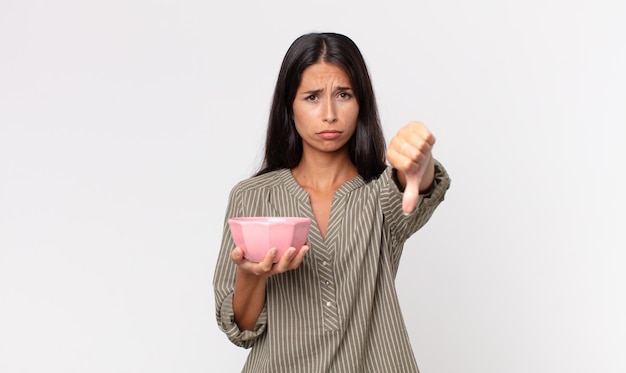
(237, 255)
(411, 192)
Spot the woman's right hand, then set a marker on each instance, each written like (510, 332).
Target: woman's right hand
(290, 261)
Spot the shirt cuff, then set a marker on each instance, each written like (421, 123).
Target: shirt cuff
(437, 190)
(242, 338)
(435, 193)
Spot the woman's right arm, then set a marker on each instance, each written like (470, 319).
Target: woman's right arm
(249, 296)
(239, 285)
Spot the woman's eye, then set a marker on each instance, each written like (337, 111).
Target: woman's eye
(345, 95)
(311, 98)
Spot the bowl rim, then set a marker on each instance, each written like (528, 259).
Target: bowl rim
(270, 219)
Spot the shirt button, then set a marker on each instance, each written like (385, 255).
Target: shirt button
(327, 282)
(328, 304)
(325, 263)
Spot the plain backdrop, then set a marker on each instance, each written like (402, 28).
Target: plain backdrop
(124, 124)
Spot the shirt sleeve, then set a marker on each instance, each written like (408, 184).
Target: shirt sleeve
(224, 286)
(403, 226)
(226, 322)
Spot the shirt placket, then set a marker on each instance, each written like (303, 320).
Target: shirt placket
(326, 275)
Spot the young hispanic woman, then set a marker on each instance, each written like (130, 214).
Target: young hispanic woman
(332, 305)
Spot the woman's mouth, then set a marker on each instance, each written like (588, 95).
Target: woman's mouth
(329, 135)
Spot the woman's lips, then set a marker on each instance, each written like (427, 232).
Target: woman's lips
(329, 135)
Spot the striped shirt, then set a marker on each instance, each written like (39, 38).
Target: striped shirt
(338, 311)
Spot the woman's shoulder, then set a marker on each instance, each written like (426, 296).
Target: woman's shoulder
(383, 178)
(267, 180)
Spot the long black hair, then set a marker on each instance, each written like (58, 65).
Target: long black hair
(283, 144)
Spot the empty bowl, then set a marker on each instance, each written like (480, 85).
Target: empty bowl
(257, 235)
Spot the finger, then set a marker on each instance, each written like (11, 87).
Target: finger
(299, 257)
(404, 157)
(430, 139)
(285, 261)
(422, 131)
(415, 153)
(237, 255)
(411, 192)
(268, 262)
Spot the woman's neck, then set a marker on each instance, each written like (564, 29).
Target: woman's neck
(324, 173)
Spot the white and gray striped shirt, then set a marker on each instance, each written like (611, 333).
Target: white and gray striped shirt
(339, 311)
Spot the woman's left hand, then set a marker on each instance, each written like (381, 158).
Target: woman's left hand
(410, 152)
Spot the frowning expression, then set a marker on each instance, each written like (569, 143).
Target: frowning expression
(325, 109)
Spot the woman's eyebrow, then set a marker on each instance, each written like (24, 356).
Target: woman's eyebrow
(313, 91)
(320, 90)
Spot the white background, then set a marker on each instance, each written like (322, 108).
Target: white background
(124, 124)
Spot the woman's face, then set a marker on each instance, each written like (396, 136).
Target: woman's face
(325, 110)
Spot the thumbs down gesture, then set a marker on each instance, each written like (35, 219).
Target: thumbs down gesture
(410, 153)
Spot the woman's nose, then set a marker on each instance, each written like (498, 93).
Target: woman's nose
(330, 112)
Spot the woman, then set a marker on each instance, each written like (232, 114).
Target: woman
(332, 305)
